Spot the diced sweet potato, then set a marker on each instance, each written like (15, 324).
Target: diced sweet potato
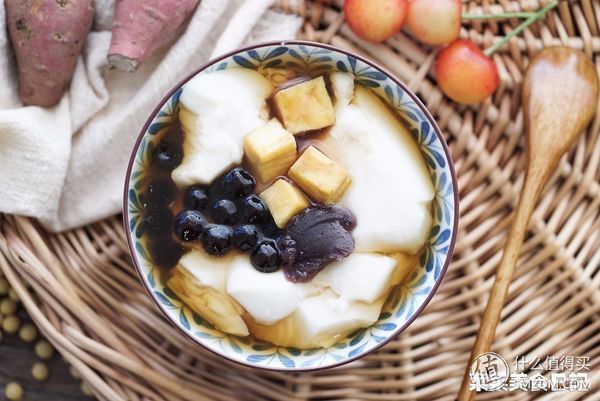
(271, 150)
(320, 177)
(305, 106)
(284, 201)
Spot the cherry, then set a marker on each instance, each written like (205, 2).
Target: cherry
(375, 20)
(434, 22)
(465, 74)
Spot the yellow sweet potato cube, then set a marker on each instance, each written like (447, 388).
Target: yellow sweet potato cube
(284, 201)
(305, 106)
(270, 150)
(320, 177)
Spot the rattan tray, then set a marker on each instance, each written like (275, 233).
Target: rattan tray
(89, 303)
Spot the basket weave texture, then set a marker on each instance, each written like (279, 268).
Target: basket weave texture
(82, 291)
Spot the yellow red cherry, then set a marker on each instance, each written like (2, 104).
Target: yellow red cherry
(434, 22)
(375, 20)
(465, 74)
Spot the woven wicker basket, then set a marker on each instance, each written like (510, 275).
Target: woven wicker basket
(81, 290)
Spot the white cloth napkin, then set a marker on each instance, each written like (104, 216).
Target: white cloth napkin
(66, 165)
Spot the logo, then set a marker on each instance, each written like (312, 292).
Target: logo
(489, 372)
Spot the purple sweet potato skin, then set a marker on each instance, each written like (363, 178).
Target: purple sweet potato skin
(47, 37)
(140, 26)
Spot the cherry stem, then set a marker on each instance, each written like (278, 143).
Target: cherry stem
(531, 17)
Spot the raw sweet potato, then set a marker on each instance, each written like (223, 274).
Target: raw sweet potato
(47, 36)
(140, 27)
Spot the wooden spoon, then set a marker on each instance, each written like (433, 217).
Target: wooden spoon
(560, 97)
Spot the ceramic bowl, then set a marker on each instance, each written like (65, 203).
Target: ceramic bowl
(404, 304)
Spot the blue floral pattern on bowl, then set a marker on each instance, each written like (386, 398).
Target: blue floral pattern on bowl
(403, 305)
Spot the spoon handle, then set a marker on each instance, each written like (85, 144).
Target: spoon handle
(485, 336)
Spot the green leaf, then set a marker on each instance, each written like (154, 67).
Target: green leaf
(133, 221)
(204, 335)
(376, 75)
(369, 83)
(389, 93)
(170, 293)
(293, 65)
(410, 115)
(150, 279)
(352, 62)
(438, 157)
(163, 300)
(257, 358)
(241, 61)
(273, 63)
(323, 59)
(377, 339)
(139, 247)
(341, 66)
(175, 100)
(429, 160)
(403, 306)
(357, 351)
(278, 51)
(385, 326)
(155, 128)
(183, 320)
(139, 232)
(443, 237)
(296, 55)
(261, 346)
(254, 55)
(236, 348)
(132, 196)
(357, 337)
(198, 319)
(139, 184)
(312, 351)
(286, 361)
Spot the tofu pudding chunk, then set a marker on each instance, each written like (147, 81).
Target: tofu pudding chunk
(285, 205)
(200, 280)
(267, 297)
(391, 190)
(219, 109)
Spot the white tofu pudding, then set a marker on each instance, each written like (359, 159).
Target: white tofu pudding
(286, 207)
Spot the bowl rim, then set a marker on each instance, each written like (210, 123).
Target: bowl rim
(388, 74)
